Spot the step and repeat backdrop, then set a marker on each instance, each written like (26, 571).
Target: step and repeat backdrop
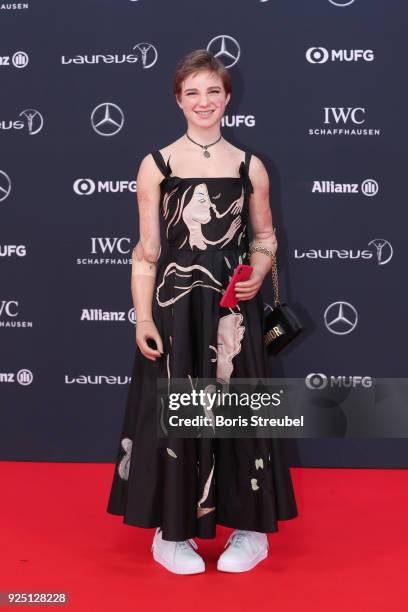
(319, 94)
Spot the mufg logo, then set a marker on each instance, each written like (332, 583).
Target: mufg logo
(321, 55)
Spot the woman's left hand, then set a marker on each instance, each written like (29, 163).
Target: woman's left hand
(246, 290)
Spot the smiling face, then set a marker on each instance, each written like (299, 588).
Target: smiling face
(203, 98)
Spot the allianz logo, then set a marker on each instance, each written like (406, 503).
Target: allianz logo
(23, 377)
(96, 379)
(97, 314)
(382, 252)
(87, 186)
(19, 59)
(368, 187)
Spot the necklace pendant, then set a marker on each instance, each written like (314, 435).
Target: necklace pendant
(207, 153)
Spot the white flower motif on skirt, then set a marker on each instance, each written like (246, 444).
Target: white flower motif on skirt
(124, 464)
(254, 484)
(259, 463)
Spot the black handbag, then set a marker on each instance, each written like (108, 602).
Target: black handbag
(281, 324)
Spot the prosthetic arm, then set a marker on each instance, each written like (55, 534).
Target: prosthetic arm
(264, 242)
(262, 250)
(144, 269)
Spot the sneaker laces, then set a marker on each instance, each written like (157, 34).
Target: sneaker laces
(181, 544)
(237, 537)
(184, 544)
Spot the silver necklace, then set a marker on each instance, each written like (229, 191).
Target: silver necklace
(205, 147)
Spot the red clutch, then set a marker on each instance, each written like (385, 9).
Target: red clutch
(242, 273)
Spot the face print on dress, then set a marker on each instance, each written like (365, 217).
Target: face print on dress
(197, 213)
(124, 464)
(209, 482)
(229, 336)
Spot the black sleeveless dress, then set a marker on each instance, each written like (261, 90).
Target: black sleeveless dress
(187, 486)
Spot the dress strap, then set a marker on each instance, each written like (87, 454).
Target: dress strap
(244, 172)
(158, 158)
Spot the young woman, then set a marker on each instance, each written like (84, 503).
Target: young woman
(206, 191)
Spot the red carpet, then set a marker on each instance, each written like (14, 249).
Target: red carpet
(348, 549)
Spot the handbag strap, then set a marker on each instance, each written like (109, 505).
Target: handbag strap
(275, 285)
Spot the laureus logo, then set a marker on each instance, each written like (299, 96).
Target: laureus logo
(32, 120)
(381, 252)
(146, 55)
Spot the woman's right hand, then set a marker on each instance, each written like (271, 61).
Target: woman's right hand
(147, 330)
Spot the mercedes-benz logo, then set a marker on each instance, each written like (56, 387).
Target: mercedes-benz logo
(107, 119)
(145, 49)
(340, 318)
(225, 46)
(5, 185)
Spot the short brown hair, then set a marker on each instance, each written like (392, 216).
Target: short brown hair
(200, 59)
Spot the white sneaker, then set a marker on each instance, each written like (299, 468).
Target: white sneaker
(177, 557)
(246, 549)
